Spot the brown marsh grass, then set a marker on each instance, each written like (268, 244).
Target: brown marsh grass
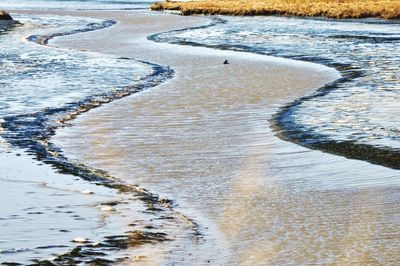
(388, 9)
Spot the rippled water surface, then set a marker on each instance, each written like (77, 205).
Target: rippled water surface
(361, 109)
(204, 139)
(35, 77)
(42, 211)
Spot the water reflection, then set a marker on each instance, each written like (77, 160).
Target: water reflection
(360, 109)
(203, 139)
(35, 77)
(43, 211)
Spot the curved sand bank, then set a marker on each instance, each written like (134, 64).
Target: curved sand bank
(203, 140)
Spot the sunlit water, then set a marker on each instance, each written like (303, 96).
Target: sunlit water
(210, 147)
(204, 139)
(41, 211)
(35, 77)
(361, 110)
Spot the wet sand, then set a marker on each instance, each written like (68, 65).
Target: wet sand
(203, 139)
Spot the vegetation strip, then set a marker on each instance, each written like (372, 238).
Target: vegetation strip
(387, 9)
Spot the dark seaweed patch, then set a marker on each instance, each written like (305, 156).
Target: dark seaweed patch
(52, 246)
(134, 238)
(44, 39)
(89, 254)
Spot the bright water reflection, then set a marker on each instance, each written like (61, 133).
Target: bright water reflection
(42, 211)
(35, 77)
(363, 109)
(203, 139)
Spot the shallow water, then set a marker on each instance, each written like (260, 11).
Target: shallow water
(43, 211)
(209, 145)
(32, 81)
(360, 109)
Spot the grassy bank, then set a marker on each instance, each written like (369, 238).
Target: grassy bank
(388, 9)
(4, 15)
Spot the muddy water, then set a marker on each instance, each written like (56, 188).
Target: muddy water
(203, 139)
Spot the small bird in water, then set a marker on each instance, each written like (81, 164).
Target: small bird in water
(226, 62)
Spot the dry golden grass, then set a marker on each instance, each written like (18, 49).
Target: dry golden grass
(388, 9)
